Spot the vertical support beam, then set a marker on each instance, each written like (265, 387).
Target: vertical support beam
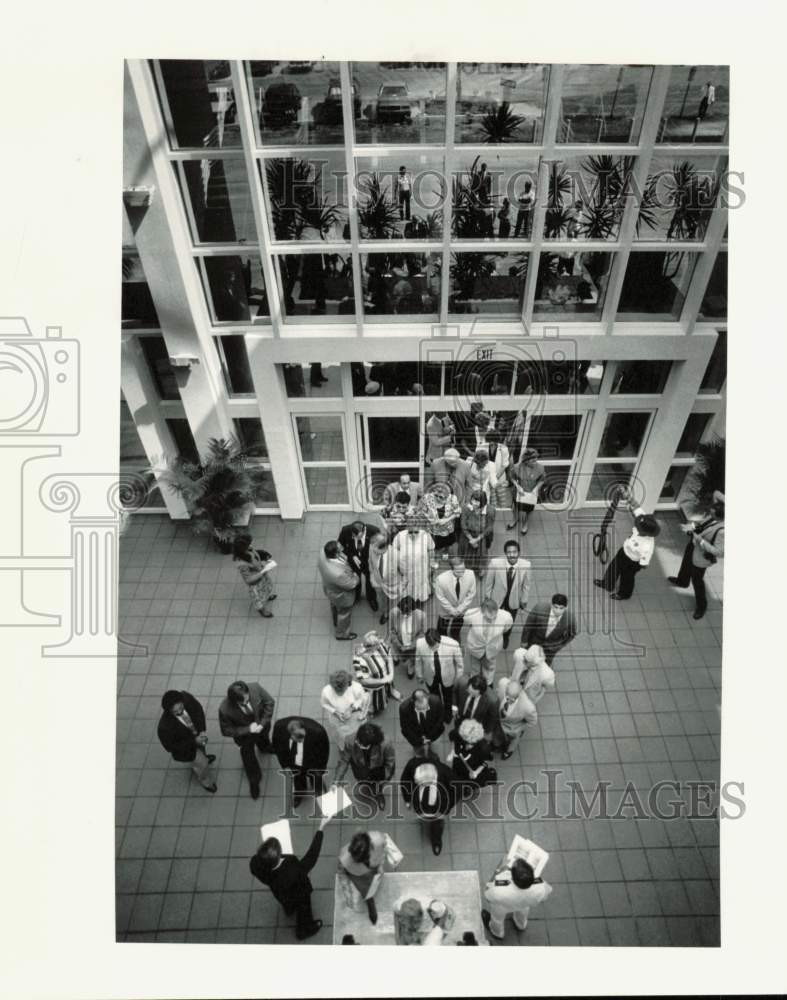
(448, 167)
(345, 78)
(706, 262)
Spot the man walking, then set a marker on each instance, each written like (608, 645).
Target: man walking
(181, 731)
(507, 582)
(339, 585)
(245, 715)
(704, 548)
(455, 591)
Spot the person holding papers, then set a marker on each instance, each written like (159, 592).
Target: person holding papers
(254, 566)
(361, 862)
(513, 889)
(288, 879)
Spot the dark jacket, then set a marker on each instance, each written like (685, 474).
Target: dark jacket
(477, 755)
(290, 882)
(433, 722)
(486, 711)
(535, 626)
(382, 755)
(175, 737)
(446, 789)
(347, 543)
(316, 747)
(235, 723)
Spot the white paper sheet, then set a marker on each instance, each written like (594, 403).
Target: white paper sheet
(281, 831)
(334, 801)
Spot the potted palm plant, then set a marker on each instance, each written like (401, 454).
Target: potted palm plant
(218, 491)
(500, 124)
(706, 476)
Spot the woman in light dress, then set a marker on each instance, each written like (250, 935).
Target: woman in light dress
(406, 625)
(346, 705)
(251, 562)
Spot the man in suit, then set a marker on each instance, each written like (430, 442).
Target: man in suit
(516, 712)
(438, 664)
(484, 640)
(301, 747)
(245, 715)
(421, 718)
(339, 585)
(371, 757)
(182, 733)
(549, 625)
(403, 485)
(704, 548)
(355, 539)
(452, 470)
(455, 590)
(428, 789)
(474, 699)
(288, 879)
(507, 582)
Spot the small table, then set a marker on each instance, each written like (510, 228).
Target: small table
(460, 890)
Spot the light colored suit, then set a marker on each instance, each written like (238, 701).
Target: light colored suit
(450, 605)
(392, 490)
(536, 681)
(496, 582)
(514, 718)
(451, 663)
(338, 585)
(484, 639)
(508, 898)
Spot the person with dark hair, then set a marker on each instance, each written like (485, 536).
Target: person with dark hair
(525, 203)
(704, 548)
(442, 510)
(427, 786)
(355, 540)
(413, 549)
(550, 625)
(455, 593)
(513, 889)
(361, 862)
(635, 553)
(245, 715)
(182, 733)
(403, 189)
(407, 623)
(288, 879)
(252, 565)
(439, 664)
(478, 528)
(395, 515)
(507, 582)
(527, 478)
(404, 484)
(474, 699)
(302, 748)
(339, 584)
(421, 718)
(371, 758)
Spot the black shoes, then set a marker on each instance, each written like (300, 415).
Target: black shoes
(310, 931)
(211, 757)
(437, 848)
(372, 910)
(346, 638)
(697, 615)
(506, 754)
(600, 583)
(375, 607)
(211, 788)
(674, 581)
(617, 597)
(254, 789)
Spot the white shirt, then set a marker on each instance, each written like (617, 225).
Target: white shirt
(639, 548)
(554, 618)
(298, 752)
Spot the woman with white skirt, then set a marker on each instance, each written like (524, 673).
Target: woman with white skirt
(346, 705)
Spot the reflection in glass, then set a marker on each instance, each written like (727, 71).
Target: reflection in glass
(395, 378)
(248, 431)
(492, 283)
(134, 462)
(493, 197)
(235, 288)
(559, 378)
(500, 102)
(553, 487)
(678, 199)
(312, 379)
(697, 105)
(296, 103)
(554, 436)
(400, 196)
(603, 104)
(692, 433)
(400, 102)
(218, 193)
(157, 358)
(606, 477)
(235, 365)
(673, 484)
(473, 379)
(714, 301)
(655, 286)
(571, 285)
(136, 303)
(317, 285)
(321, 439)
(201, 103)
(623, 435)
(716, 373)
(185, 445)
(640, 377)
(307, 199)
(586, 197)
(401, 284)
(326, 486)
(394, 439)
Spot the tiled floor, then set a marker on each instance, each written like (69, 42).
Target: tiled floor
(637, 703)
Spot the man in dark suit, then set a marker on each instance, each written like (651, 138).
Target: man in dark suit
(181, 731)
(421, 718)
(474, 699)
(288, 879)
(428, 789)
(549, 625)
(245, 715)
(354, 539)
(371, 757)
(302, 748)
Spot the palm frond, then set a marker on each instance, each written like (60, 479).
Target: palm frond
(500, 124)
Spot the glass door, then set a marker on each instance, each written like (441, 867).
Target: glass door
(622, 444)
(389, 447)
(557, 437)
(323, 462)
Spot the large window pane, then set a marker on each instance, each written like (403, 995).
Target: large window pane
(326, 486)
(235, 365)
(606, 477)
(491, 283)
(401, 284)
(554, 435)
(133, 463)
(400, 196)
(559, 378)
(623, 435)
(316, 287)
(296, 102)
(554, 485)
(473, 379)
(692, 434)
(218, 194)
(678, 198)
(641, 376)
(185, 445)
(199, 103)
(586, 197)
(400, 102)
(251, 438)
(673, 484)
(716, 373)
(571, 285)
(500, 102)
(136, 303)
(394, 439)
(603, 104)
(307, 198)
(321, 439)
(655, 286)
(714, 301)
(235, 288)
(395, 378)
(691, 112)
(157, 357)
(312, 379)
(493, 196)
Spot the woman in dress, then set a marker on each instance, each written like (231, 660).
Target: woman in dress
(499, 459)
(384, 575)
(374, 670)
(414, 548)
(527, 478)
(346, 705)
(478, 528)
(361, 863)
(442, 510)
(469, 758)
(250, 566)
(482, 472)
(406, 625)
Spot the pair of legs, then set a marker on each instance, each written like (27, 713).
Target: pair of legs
(371, 593)
(521, 515)
(404, 204)
(249, 744)
(446, 695)
(262, 594)
(451, 626)
(342, 618)
(497, 919)
(506, 740)
(619, 577)
(484, 665)
(507, 634)
(305, 924)
(694, 575)
(200, 767)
